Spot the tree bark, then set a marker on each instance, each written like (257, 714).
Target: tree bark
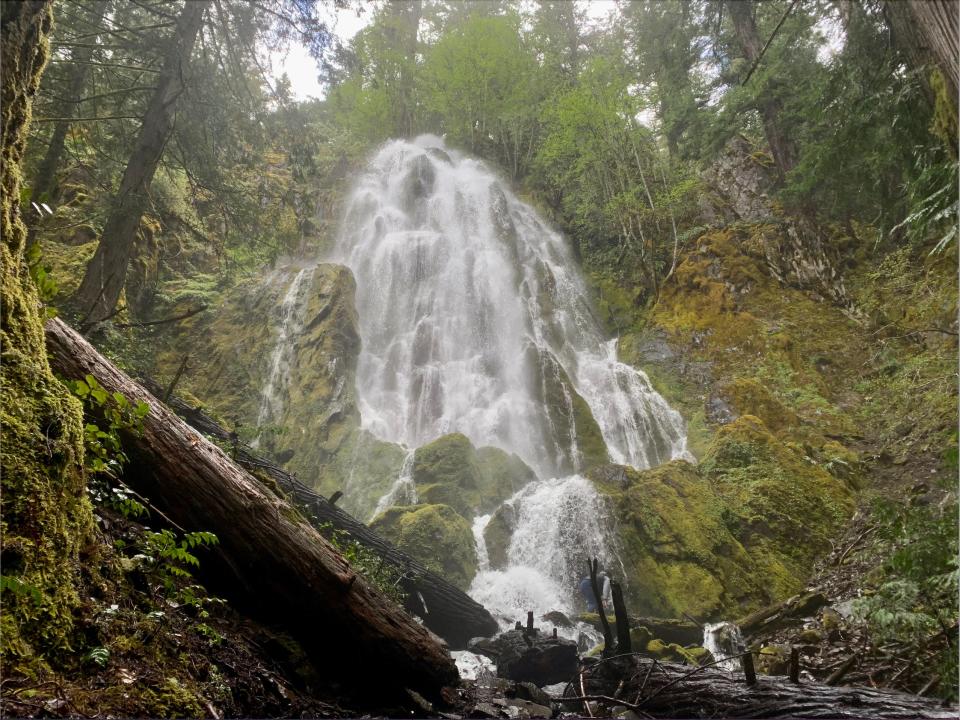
(269, 560)
(770, 106)
(664, 690)
(46, 518)
(939, 24)
(444, 608)
(106, 273)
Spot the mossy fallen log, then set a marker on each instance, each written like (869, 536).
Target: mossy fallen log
(270, 561)
(444, 608)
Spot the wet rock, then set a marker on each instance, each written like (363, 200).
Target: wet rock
(484, 646)
(529, 691)
(719, 411)
(526, 709)
(539, 659)
(557, 618)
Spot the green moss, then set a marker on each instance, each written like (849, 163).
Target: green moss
(452, 472)
(46, 517)
(750, 397)
(436, 535)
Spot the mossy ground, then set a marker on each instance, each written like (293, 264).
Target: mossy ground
(141, 648)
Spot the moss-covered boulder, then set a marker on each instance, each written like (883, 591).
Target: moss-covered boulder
(741, 530)
(783, 507)
(750, 397)
(436, 535)
(451, 471)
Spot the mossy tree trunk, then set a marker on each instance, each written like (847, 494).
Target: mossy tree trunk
(46, 517)
(106, 273)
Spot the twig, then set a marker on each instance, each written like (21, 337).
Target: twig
(175, 318)
(692, 672)
(583, 691)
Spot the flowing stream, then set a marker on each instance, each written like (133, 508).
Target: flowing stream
(474, 318)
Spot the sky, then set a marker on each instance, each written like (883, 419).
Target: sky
(345, 23)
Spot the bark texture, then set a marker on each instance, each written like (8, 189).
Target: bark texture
(938, 22)
(665, 690)
(269, 561)
(106, 273)
(444, 608)
(45, 514)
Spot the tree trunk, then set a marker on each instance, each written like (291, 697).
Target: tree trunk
(445, 609)
(664, 690)
(939, 25)
(771, 107)
(46, 518)
(269, 560)
(106, 273)
(66, 106)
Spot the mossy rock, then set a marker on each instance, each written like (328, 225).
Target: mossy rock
(670, 652)
(67, 263)
(452, 472)
(777, 495)
(750, 397)
(773, 660)
(569, 417)
(436, 535)
(677, 550)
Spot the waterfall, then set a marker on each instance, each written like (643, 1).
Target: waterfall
(723, 640)
(403, 491)
(474, 318)
(470, 307)
(292, 308)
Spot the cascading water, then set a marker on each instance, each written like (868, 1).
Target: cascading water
(403, 491)
(290, 323)
(474, 319)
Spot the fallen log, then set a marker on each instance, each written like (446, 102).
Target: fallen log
(665, 690)
(269, 560)
(779, 615)
(445, 609)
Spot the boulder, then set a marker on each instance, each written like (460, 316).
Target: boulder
(538, 658)
(452, 472)
(436, 536)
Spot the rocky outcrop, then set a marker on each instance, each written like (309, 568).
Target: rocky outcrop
(739, 531)
(450, 470)
(316, 433)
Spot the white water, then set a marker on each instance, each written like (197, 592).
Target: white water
(723, 640)
(291, 318)
(403, 491)
(471, 307)
(474, 318)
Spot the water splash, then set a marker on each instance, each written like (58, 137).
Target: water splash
(723, 640)
(471, 308)
(291, 312)
(403, 491)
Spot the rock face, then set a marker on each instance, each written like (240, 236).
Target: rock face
(701, 540)
(313, 423)
(539, 659)
(436, 536)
